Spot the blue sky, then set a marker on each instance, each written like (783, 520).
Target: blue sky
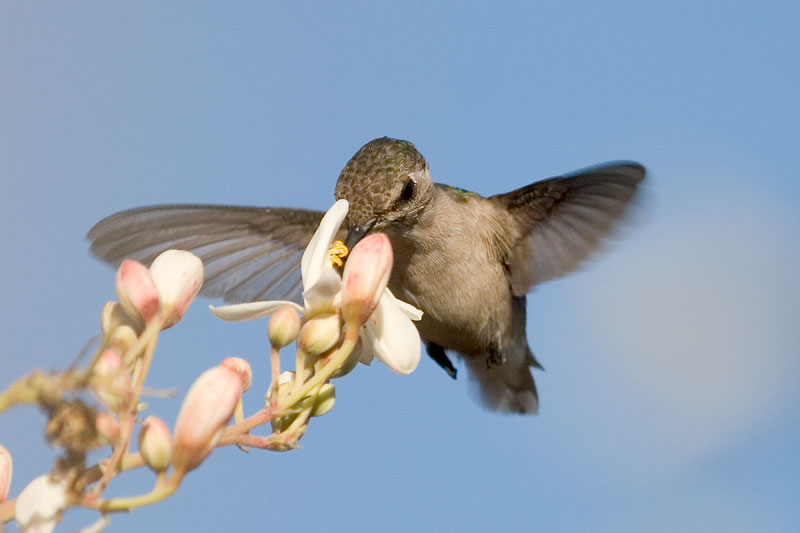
(669, 402)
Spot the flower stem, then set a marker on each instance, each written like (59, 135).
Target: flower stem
(275, 365)
(147, 342)
(350, 339)
(163, 489)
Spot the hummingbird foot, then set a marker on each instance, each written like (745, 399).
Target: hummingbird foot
(438, 354)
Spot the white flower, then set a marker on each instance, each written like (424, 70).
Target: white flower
(388, 334)
(39, 505)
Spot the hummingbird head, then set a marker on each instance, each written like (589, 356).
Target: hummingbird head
(386, 183)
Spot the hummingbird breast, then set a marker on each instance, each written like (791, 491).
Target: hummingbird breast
(449, 265)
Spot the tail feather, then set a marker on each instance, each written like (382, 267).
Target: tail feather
(504, 380)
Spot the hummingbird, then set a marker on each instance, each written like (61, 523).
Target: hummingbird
(467, 261)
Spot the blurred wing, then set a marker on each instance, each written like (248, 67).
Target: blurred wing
(566, 217)
(248, 253)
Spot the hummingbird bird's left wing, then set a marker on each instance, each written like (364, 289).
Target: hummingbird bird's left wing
(248, 253)
(564, 219)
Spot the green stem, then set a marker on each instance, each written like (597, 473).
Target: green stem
(350, 339)
(147, 342)
(163, 489)
(275, 366)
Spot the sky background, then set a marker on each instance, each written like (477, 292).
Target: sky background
(669, 402)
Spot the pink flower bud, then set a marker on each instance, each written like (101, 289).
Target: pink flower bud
(107, 427)
(242, 367)
(6, 469)
(136, 290)
(283, 327)
(206, 409)
(320, 333)
(112, 381)
(155, 444)
(178, 276)
(365, 276)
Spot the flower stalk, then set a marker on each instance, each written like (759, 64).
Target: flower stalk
(339, 314)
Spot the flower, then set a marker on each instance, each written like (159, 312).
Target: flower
(206, 410)
(242, 367)
(112, 381)
(365, 276)
(320, 333)
(136, 290)
(388, 334)
(284, 324)
(39, 505)
(178, 276)
(155, 444)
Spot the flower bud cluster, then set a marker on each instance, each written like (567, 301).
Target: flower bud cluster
(162, 292)
(158, 296)
(345, 319)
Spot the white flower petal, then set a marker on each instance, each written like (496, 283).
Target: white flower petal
(316, 255)
(321, 295)
(39, 504)
(251, 310)
(365, 349)
(409, 310)
(392, 337)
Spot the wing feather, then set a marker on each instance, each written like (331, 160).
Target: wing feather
(248, 253)
(566, 218)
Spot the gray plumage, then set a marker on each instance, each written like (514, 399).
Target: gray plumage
(465, 260)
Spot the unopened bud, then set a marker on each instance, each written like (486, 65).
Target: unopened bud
(122, 339)
(320, 333)
(114, 316)
(107, 428)
(136, 290)
(349, 364)
(6, 469)
(178, 276)
(206, 409)
(365, 276)
(283, 327)
(324, 400)
(112, 381)
(242, 367)
(155, 444)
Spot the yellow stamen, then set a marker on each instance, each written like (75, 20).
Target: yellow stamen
(337, 252)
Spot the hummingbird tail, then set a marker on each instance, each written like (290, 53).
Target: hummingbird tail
(504, 379)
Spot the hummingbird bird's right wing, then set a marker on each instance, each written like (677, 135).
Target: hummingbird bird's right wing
(248, 253)
(564, 219)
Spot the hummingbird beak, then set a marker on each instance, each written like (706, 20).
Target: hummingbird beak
(354, 234)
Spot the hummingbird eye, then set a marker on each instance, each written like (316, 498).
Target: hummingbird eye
(409, 187)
